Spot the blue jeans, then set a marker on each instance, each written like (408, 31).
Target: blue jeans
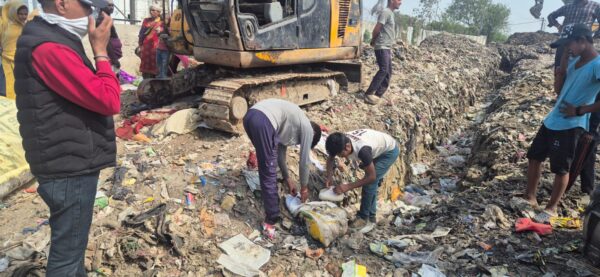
(162, 62)
(71, 203)
(368, 202)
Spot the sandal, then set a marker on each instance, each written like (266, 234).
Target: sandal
(268, 230)
(544, 217)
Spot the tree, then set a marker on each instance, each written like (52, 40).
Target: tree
(367, 36)
(428, 10)
(489, 19)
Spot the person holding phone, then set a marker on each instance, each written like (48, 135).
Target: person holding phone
(65, 109)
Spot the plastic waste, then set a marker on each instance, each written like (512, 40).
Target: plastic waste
(252, 179)
(401, 243)
(565, 222)
(526, 224)
(448, 184)
(416, 257)
(190, 201)
(430, 271)
(456, 161)
(419, 168)
(379, 249)
(327, 194)
(417, 200)
(293, 203)
(325, 221)
(4, 264)
(352, 269)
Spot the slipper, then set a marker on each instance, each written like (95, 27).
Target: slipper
(544, 217)
(268, 230)
(526, 224)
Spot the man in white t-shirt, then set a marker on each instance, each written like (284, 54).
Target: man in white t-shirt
(376, 152)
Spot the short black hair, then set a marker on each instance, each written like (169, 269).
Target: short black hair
(336, 143)
(316, 134)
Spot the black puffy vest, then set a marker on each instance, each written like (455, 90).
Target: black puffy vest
(60, 138)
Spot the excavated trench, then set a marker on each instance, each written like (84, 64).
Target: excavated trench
(470, 176)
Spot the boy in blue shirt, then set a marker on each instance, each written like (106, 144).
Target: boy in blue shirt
(557, 138)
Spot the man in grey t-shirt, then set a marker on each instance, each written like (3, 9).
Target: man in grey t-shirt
(272, 125)
(384, 36)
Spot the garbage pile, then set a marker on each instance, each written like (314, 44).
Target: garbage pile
(186, 202)
(432, 86)
(541, 39)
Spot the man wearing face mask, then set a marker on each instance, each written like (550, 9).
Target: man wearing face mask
(65, 108)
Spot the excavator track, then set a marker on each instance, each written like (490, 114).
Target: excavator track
(225, 101)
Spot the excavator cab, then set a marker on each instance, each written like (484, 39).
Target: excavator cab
(262, 33)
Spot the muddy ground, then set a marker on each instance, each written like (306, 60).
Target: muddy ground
(464, 115)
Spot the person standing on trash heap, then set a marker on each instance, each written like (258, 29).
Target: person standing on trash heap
(557, 137)
(272, 125)
(115, 46)
(383, 39)
(376, 152)
(574, 11)
(65, 109)
(16, 16)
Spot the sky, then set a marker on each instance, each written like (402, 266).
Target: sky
(520, 19)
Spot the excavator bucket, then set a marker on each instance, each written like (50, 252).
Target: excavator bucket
(536, 10)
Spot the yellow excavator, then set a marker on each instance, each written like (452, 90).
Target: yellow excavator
(303, 51)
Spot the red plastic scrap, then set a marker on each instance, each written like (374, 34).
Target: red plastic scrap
(252, 162)
(132, 126)
(526, 224)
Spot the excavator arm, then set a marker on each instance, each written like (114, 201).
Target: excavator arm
(536, 10)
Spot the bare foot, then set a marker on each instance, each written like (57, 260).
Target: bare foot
(532, 201)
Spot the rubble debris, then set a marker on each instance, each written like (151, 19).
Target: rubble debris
(461, 104)
(172, 241)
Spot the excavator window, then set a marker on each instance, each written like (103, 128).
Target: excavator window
(268, 11)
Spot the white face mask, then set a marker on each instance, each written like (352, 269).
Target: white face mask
(78, 27)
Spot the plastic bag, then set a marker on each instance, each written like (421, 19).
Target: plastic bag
(327, 194)
(293, 203)
(325, 221)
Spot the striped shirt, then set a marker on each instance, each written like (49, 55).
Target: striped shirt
(576, 13)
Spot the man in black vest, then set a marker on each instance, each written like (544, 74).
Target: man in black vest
(65, 108)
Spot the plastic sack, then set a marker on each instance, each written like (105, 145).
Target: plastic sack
(325, 221)
(14, 169)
